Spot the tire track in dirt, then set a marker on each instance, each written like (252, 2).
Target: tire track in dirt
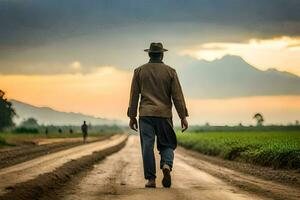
(120, 177)
(244, 181)
(12, 156)
(45, 181)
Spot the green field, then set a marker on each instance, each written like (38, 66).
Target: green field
(270, 148)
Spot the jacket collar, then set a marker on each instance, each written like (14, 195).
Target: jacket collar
(155, 61)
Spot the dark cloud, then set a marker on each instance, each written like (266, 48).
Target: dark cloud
(38, 21)
(34, 33)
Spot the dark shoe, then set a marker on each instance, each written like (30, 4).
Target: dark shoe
(166, 182)
(150, 184)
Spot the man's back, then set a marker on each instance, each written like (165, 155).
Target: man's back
(84, 128)
(157, 85)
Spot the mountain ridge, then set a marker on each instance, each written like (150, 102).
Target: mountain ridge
(49, 116)
(232, 76)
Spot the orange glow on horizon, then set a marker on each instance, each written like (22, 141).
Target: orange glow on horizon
(105, 93)
(277, 109)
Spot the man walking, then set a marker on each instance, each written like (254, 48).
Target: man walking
(156, 84)
(84, 130)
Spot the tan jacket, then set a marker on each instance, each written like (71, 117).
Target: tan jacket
(158, 85)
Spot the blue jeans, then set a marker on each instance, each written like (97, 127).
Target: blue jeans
(166, 143)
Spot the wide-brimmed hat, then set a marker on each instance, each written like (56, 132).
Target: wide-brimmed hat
(156, 48)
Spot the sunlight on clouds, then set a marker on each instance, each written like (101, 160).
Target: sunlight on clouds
(281, 53)
(76, 65)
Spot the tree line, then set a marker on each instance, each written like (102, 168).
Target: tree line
(7, 112)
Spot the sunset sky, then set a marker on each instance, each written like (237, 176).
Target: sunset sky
(79, 55)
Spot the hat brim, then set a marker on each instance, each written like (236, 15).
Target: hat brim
(160, 51)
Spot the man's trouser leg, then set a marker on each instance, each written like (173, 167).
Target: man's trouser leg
(166, 140)
(147, 135)
(166, 157)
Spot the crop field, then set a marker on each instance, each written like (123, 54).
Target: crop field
(270, 148)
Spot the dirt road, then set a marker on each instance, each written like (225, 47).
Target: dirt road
(39, 147)
(120, 177)
(31, 169)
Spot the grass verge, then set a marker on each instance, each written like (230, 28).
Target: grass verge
(4, 143)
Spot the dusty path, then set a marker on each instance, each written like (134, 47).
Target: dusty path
(265, 187)
(44, 141)
(15, 155)
(31, 169)
(120, 176)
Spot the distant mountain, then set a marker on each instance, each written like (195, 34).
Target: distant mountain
(48, 116)
(231, 76)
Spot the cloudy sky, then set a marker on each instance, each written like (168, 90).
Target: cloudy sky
(79, 55)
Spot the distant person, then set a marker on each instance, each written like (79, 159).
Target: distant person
(46, 131)
(157, 84)
(84, 130)
(59, 130)
(71, 131)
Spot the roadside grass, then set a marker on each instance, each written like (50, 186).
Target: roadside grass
(276, 149)
(4, 143)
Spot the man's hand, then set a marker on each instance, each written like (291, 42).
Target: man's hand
(133, 124)
(184, 124)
